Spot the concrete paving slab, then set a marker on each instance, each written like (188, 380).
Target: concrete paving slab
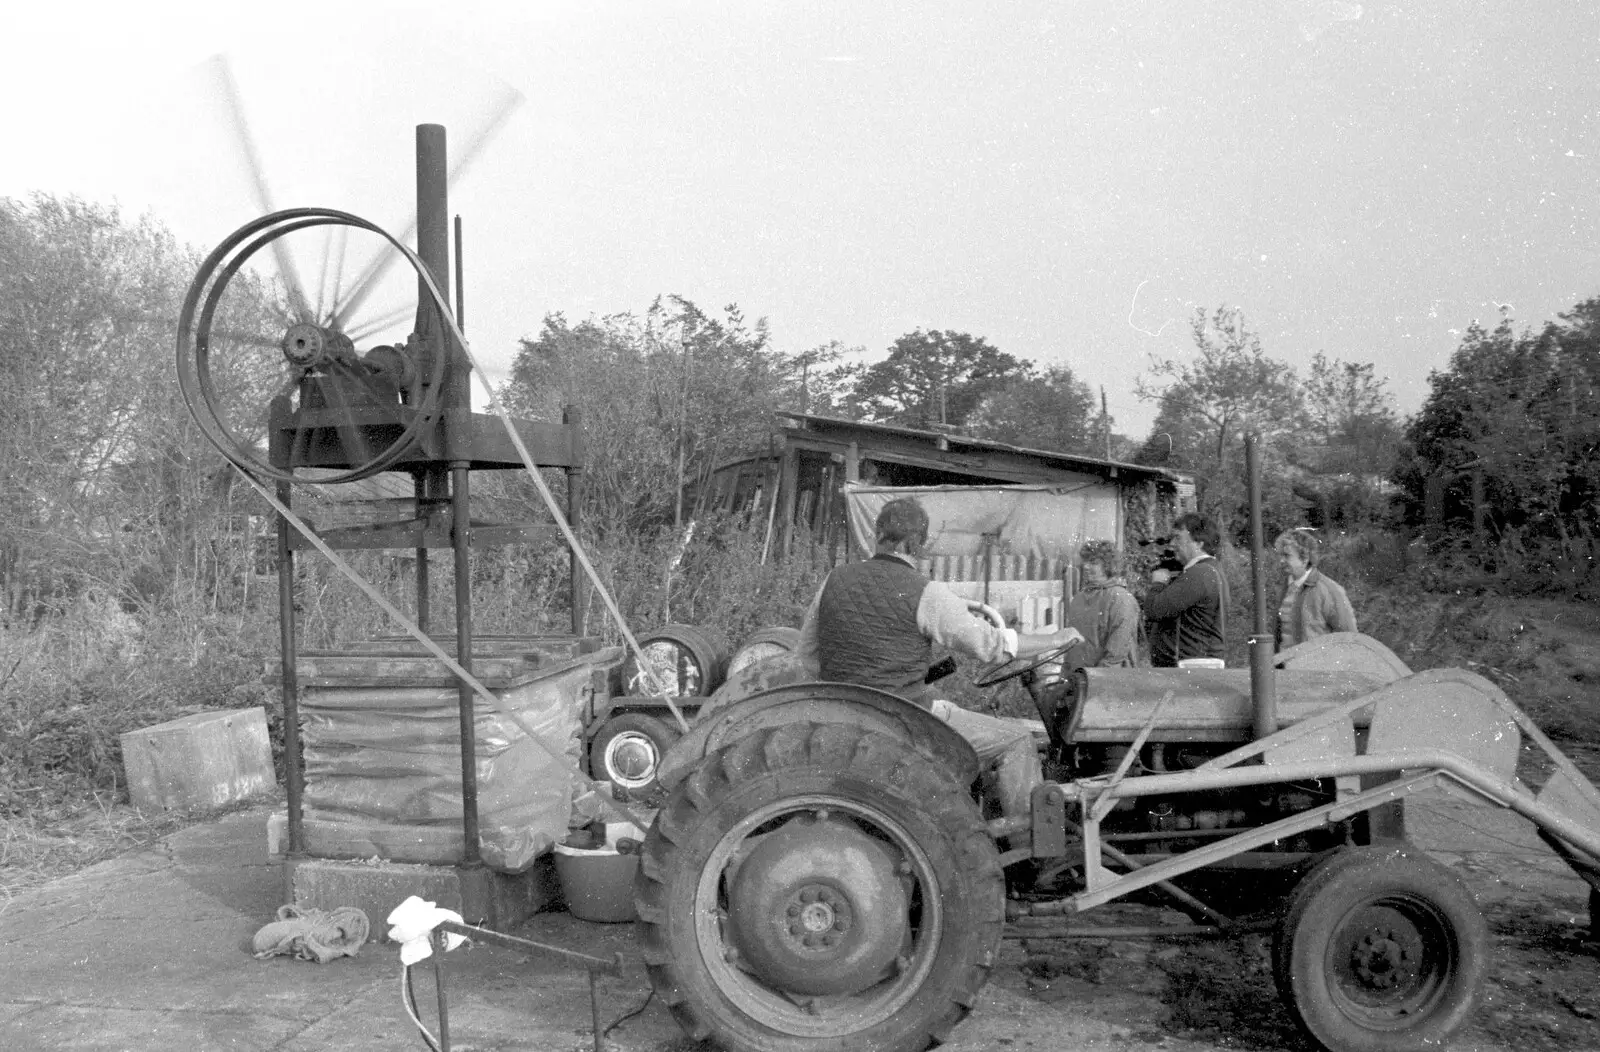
(94, 1028)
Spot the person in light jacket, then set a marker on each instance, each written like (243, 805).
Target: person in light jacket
(1314, 604)
(1104, 610)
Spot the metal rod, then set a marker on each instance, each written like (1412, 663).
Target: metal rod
(461, 317)
(1172, 890)
(461, 541)
(438, 984)
(599, 965)
(1103, 806)
(572, 417)
(293, 779)
(1263, 684)
(419, 494)
(1177, 865)
(1054, 929)
(433, 246)
(594, 1011)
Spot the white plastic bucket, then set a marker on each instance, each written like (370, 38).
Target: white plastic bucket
(597, 883)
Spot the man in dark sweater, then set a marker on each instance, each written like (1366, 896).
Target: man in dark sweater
(876, 623)
(1189, 611)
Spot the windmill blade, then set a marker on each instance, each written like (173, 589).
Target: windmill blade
(354, 440)
(509, 99)
(340, 234)
(245, 339)
(366, 329)
(222, 73)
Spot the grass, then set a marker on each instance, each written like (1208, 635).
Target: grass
(40, 846)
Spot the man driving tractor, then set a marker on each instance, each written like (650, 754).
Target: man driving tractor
(876, 623)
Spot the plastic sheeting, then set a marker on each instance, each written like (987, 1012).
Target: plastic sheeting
(391, 754)
(1046, 523)
(1024, 568)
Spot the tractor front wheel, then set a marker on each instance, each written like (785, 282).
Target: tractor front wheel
(814, 888)
(1381, 950)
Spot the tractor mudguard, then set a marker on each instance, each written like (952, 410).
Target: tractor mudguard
(842, 703)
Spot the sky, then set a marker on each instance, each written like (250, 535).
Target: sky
(1068, 180)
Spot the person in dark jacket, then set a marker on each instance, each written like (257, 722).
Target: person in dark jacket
(1189, 611)
(1314, 604)
(876, 623)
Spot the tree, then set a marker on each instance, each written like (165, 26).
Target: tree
(1352, 421)
(929, 378)
(1352, 436)
(106, 475)
(1052, 410)
(1508, 436)
(822, 378)
(674, 382)
(1229, 388)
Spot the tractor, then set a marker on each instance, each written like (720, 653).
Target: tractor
(822, 874)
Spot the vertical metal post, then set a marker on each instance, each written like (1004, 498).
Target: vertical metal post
(433, 246)
(461, 540)
(989, 540)
(440, 943)
(573, 418)
(461, 307)
(683, 420)
(419, 509)
(293, 778)
(1263, 676)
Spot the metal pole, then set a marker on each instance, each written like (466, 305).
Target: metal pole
(440, 944)
(461, 320)
(1263, 685)
(433, 247)
(293, 779)
(572, 417)
(461, 539)
(683, 419)
(420, 510)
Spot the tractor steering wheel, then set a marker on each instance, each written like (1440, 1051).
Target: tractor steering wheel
(994, 675)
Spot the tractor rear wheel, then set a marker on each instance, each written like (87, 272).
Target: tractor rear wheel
(1381, 950)
(814, 888)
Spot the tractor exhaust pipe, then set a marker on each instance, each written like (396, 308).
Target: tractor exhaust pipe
(1263, 682)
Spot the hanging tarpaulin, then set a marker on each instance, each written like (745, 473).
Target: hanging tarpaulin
(1014, 547)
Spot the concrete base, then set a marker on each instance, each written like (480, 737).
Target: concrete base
(500, 901)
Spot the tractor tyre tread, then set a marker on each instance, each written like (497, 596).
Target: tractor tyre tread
(758, 769)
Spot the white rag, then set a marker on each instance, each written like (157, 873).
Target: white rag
(411, 924)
